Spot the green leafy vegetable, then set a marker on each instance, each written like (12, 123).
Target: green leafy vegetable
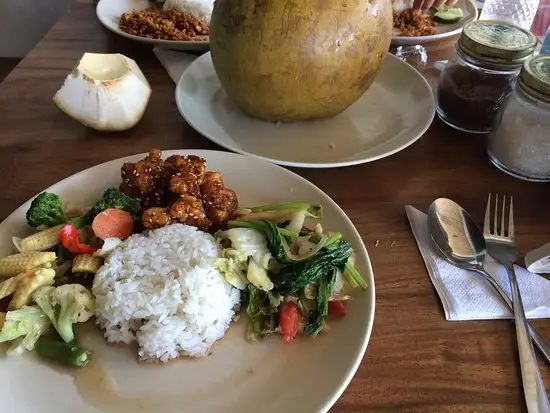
(275, 236)
(278, 213)
(246, 260)
(233, 267)
(318, 315)
(294, 278)
(262, 310)
(312, 210)
(26, 324)
(353, 277)
(258, 276)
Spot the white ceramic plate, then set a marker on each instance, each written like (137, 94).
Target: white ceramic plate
(443, 30)
(394, 112)
(305, 376)
(108, 12)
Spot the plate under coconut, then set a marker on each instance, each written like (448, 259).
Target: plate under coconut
(392, 114)
(305, 376)
(108, 12)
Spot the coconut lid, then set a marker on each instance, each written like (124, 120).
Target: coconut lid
(535, 77)
(497, 42)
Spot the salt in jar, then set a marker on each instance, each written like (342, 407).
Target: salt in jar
(520, 145)
(479, 76)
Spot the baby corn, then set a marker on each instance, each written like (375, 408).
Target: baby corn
(15, 264)
(41, 241)
(23, 293)
(9, 286)
(86, 263)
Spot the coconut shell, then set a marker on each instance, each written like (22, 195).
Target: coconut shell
(289, 60)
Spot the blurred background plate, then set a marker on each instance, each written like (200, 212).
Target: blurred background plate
(108, 12)
(444, 31)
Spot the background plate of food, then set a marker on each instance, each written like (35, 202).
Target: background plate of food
(170, 24)
(415, 27)
(171, 281)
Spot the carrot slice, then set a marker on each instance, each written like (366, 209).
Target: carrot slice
(113, 223)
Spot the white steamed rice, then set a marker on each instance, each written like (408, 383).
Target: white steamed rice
(161, 290)
(198, 8)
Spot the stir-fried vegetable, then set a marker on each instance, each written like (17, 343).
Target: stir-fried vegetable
(62, 352)
(247, 260)
(65, 305)
(47, 209)
(295, 277)
(71, 242)
(289, 320)
(305, 284)
(337, 307)
(275, 236)
(24, 327)
(262, 310)
(317, 317)
(279, 213)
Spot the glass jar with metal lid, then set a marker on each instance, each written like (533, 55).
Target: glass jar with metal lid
(479, 76)
(520, 145)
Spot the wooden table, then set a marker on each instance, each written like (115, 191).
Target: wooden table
(416, 361)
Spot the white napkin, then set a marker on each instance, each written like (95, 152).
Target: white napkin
(175, 62)
(466, 295)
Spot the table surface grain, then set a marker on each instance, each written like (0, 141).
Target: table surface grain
(416, 361)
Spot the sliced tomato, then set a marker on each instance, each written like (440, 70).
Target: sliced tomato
(289, 320)
(337, 308)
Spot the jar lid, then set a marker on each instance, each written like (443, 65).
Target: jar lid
(535, 75)
(497, 42)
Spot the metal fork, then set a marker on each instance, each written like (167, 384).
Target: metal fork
(501, 245)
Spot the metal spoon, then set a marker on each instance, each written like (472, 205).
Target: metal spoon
(461, 242)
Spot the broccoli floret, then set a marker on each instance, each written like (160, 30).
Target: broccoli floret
(113, 198)
(46, 209)
(65, 305)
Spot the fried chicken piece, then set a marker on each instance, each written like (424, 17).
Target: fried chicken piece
(155, 217)
(177, 164)
(184, 183)
(145, 180)
(219, 202)
(188, 209)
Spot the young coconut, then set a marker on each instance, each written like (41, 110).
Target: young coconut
(106, 92)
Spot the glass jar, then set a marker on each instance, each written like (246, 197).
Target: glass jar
(479, 76)
(519, 12)
(520, 145)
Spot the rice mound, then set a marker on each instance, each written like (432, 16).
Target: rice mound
(198, 8)
(161, 290)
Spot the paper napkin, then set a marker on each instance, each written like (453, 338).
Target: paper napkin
(175, 62)
(466, 295)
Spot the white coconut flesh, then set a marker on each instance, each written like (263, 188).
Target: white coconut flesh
(106, 92)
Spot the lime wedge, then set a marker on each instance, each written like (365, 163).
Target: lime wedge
(446, 14)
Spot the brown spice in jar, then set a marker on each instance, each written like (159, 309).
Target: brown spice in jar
(472, 100)
(164, 25)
